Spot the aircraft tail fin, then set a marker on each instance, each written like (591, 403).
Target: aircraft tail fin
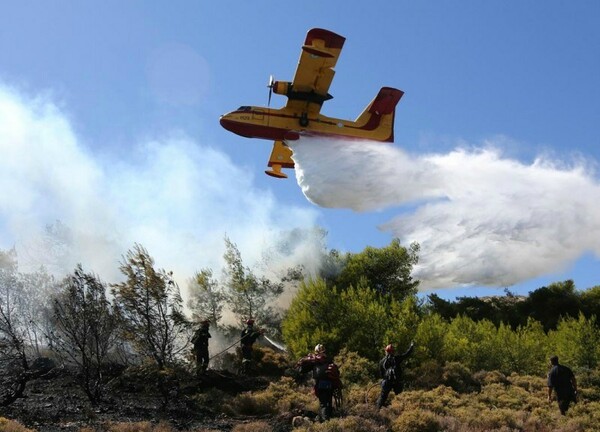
(378, 116)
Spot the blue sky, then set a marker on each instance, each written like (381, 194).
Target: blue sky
(137, 89)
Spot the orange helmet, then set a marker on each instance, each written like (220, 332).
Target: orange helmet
(389, 349)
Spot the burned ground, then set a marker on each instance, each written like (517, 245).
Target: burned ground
(55, 402)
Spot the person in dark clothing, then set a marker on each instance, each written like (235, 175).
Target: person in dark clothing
(390, 369)
(562, 380)
(200, 341)
(326, 376)
(249, 336)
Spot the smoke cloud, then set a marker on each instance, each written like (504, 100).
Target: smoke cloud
(480, 218)
(176, 197)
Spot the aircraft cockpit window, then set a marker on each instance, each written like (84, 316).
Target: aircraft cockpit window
(244, 108)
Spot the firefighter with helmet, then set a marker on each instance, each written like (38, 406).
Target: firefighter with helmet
(249, 336)
(390, 369)
(327, 378)
(200, 346)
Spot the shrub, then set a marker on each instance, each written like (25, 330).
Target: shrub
(7, 425)
(354, 369)
(532, 384)
(269, 362)
(427, 375)
(459, 377)
(350, 423)
(490, 377)
(439, 400)
(362, 394)
(281, 396)
(144, 426)
(416, 421)
(369, 412)
(255, 426)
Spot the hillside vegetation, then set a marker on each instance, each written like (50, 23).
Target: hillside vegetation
(122, 351)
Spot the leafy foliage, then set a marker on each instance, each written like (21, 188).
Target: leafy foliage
(150, 307)
(206, 297)
(387, 270)
(372, 305)
(248, 294)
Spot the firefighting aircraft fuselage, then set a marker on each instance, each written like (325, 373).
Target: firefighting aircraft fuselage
(306, 94)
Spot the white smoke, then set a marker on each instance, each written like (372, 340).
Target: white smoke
(176, 197)
(480, 218)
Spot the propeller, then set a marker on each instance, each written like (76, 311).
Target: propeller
(270, 86)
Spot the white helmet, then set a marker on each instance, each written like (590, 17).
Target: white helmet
(319, 349)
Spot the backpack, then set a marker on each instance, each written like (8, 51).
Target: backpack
(333, 373)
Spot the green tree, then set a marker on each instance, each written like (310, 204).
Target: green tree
(403, 318)
(387, 270)
(85, 328)
(471, 343)
(150, 307)
(577, 341)
(314, 316)
(548, 304)
(590, 301)
(431, 334)
(207, 298)
(523, 350)
(364, 321)
(248, 295)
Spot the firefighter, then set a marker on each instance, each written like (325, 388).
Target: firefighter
(200, 349)
(249, 336)
(326, 376)
(562, 380)
(390, 369)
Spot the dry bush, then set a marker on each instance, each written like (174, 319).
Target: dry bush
(589, 383)
(255, 426)
(496, 419)
(281, 396)
(211, 398)
(532, 384)
(440, 400)
(427, 375)
(7, 425)
(369, 412)
(250, 404)
(500, 396)
(144, 426)
(490, 377)
(350, 423)
(368, 393)
(417, 420)
(586, 414)
(269, 362)
(459, 377)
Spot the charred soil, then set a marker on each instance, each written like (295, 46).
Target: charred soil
(55, 401)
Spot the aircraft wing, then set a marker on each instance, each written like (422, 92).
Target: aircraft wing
(314, 73)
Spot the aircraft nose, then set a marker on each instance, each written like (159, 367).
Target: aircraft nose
(231, 125)
(226, 123)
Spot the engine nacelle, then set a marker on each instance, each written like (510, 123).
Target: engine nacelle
(282, 87)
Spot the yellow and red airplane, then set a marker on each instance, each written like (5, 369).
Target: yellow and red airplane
(306, 94)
